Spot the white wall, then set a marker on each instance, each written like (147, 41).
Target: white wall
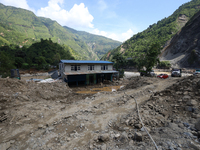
(84, 67)
(110, 67)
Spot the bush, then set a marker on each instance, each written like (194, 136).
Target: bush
(164, 65)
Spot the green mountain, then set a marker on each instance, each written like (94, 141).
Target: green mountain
(160, 32)
(99, 44)
(23, 27)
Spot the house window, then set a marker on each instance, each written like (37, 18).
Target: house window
(90, 67)
(104, 67)
(75, 67)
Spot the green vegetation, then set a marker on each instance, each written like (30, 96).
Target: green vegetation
(119, 63)
(164, 65)
(99, 44)
(5, 64)
(149, 59)
(21, 27)
(40, 55)
(160, 32)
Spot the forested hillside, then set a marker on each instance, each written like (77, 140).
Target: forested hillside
(23, 27)
(40, 55)
(99, 44)
(160, 32)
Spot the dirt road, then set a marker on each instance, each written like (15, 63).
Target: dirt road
(53, 116)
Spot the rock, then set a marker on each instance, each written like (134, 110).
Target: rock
(197, 125)
(40, 126)
(186, 98)
(127, 122)
(103, 147)
(138, 126)
(142, 129)
(180, 125)
(117, 135)
(194, 133)
(104, 137)
(186, 124)
(5, 146)
(180, 100)
(194, 145)
(195, 116)
(68, 139)
(173, 126)
(24, 97)
(131, 122)
(82, 125)
(198, 134)
(192, 102)
(189, 108)
(188, 134)
(51, 128)
(130, 136)
(138, 136)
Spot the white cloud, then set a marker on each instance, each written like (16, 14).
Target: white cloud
(17, 3)
(119, 37)
(126, 35)
(102, 33)
(78, 16)
(102, 5)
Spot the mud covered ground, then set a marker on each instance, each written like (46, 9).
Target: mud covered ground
(52, 116)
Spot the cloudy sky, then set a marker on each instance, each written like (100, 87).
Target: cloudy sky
(116, 19)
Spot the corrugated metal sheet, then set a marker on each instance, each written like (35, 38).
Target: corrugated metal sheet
(88, 72)
(85, 62)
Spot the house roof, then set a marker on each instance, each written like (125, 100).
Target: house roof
(85, 62)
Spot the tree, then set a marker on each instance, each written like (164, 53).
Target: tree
(40, 62)
(5, 64)
(18, 62)
(149, 59)
(119, 63)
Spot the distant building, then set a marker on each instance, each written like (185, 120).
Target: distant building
(76, 72)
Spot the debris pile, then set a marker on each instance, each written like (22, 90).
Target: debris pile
(172, 117)
(52, 116)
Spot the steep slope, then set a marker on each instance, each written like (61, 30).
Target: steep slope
(62, 36)
(23, 27)
(184, 48)
(99, 44)
(160, 32)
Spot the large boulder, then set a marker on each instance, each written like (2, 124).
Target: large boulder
(103, 137)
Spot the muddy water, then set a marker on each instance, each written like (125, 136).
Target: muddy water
(103, 89)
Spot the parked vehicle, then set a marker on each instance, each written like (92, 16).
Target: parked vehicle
(162, 76)
(197, 71)
(145, 73)
(176, 72)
